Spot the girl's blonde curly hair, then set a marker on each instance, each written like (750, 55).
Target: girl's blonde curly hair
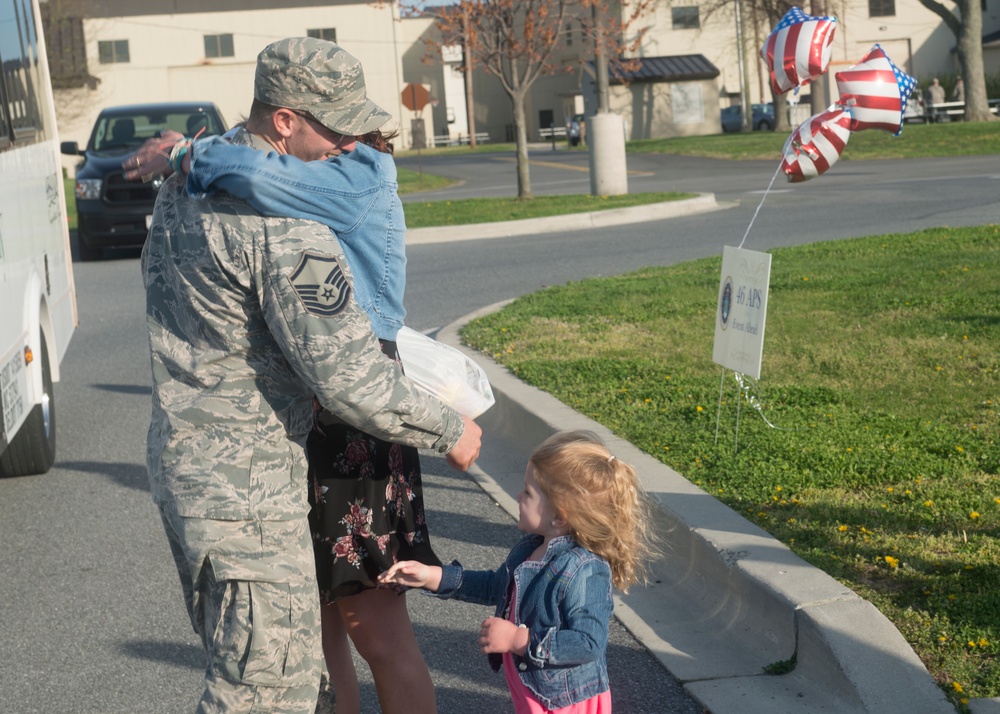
(600, 498)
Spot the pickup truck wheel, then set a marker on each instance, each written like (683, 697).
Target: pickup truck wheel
(87, 252)
(33, 450)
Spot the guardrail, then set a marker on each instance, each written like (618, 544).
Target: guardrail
(954, 109)
(461, 140)
(552, 132)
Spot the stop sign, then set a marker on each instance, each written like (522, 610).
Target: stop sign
(415, 96)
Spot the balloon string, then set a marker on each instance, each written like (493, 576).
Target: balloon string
(762, 199)
(752, 400)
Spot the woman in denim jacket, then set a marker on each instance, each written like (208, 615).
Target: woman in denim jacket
(587, 526)
(367, 497)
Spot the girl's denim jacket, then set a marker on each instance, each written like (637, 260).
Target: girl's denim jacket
(355, 194)
(564, 599)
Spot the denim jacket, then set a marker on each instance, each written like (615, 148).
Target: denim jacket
(564, 599)
(355, 194)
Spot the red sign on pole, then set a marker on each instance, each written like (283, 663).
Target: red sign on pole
(415, 96)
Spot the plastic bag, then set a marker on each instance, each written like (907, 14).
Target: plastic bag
(444, 372)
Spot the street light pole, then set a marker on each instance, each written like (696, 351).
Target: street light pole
(746, 111)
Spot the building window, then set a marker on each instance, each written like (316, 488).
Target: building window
(323, 33)
(112, 51)
(685, 18)
(881, 8)
(219, 46)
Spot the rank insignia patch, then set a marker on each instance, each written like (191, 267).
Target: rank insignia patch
(321, 285)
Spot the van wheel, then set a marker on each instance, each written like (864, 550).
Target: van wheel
(33, 450)
(764, 126)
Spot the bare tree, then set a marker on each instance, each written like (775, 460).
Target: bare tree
(968, 29)
(514, 40)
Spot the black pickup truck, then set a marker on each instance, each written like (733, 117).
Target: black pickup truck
(113, 212)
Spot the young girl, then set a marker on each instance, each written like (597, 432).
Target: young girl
(587, 526)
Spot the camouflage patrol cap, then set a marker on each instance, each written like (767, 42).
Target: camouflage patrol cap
(321, 78)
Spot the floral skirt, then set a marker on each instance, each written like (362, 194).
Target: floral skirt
(367, 508)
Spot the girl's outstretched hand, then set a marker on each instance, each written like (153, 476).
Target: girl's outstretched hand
(412, 574)
(499, 635)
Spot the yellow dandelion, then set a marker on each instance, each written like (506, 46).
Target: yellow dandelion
(974, 515)
(939, 368)
(892, 562)
(928, 503)
(983, 642)
(842, 528)
(791, 520)
(777, 488)
(996, 500)
(972, 643)
(889, 489)
(959, 449)
(942, 638)
(957, 687)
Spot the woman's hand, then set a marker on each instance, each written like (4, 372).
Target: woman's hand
(499, 635)
(152, 158)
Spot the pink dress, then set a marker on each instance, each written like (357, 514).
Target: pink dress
(526, 703)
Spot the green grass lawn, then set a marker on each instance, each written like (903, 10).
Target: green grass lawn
(916, 141)
(421, 214)
(881, 372)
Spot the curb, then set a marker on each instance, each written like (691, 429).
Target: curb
(567, 222)
(728, 599)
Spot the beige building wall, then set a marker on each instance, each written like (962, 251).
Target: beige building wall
(168, 63)
(915, 39)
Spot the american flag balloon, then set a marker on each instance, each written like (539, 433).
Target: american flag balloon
(876, 92)
(816, 145)
(798, 50)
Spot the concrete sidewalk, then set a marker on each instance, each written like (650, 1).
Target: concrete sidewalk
(728, 600)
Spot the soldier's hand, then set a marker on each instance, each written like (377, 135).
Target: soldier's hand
(466, 451)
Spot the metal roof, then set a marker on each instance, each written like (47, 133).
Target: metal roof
(675, 68)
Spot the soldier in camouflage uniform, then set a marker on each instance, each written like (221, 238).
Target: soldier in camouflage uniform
(249, 318)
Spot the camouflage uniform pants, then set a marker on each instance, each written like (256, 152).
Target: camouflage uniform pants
(250, 590)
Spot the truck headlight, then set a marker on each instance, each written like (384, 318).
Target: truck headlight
(88, 189)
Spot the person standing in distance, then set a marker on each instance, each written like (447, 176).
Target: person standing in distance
(249, 319)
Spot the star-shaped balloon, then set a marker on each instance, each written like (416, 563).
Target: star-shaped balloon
(816, 145)
(798, 49)
(876, 92)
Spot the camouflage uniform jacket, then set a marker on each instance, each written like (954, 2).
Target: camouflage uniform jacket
(248, 318)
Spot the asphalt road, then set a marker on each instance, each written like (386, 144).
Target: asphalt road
(92, 616)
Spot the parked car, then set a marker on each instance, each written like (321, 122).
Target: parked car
(113, 212)
(576, 129)
(915, 112)
(763, 117)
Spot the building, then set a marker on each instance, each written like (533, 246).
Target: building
(109, 52)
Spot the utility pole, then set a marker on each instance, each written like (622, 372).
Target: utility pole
(470, 106)
(746, 111)
(605, 131)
